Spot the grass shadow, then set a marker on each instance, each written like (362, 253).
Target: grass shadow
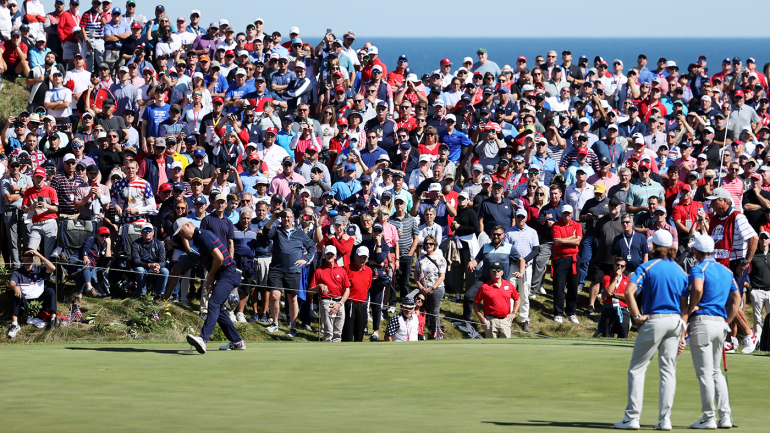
(132, 350)
(536, 423)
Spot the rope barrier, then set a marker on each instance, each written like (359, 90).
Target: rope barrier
(383, 307)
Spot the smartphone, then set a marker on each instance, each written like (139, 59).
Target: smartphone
(188, 46)
(229, 129)
(328, 31)
(40, 199)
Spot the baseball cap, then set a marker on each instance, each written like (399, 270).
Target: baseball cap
(521, 211)
(662, 238)
(179, 223)
(165, 187)
(600, 188)
(105, 230)
(719, 193)
(362, 251)
(567, 209)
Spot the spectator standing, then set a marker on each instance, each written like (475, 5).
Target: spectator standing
(524, 239)
(567, 235)
(41, 203)
(332, 284)
(429, 273)
(360, 276)
(501, 301)
(615, 319)
(15, 184)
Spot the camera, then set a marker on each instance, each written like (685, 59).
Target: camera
(305, 218)
(281, 214)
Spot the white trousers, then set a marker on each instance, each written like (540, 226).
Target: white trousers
(523, 287)
(707, 336)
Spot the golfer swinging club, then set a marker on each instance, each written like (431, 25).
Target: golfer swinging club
(663, 286)
(714, 301)
(221, 280)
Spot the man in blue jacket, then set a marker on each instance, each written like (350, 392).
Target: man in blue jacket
(292, 248)
(148, 256)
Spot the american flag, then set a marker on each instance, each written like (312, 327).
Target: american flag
(155, 316)
(76, 315)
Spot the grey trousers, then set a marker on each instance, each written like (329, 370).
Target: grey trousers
(332, 325)
(661, 333)
(707, 336)
(539, 264)
(11, 228)
(45, 231)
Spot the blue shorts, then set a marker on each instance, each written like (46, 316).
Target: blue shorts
(187, 261)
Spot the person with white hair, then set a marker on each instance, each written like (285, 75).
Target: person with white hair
(714, 301)
(663, 288)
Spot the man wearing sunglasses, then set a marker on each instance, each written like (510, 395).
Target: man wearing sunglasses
(501, 302)
(148, 256)
(65, 184)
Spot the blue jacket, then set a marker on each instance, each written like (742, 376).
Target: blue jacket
(143, 253)
(288, 248)
(152, 173)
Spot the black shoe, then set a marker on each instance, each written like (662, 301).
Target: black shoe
(591, 310)
(313, 315)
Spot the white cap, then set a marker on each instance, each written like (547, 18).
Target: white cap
(527, 88)
(330, 249)
(300, 64)
(294, 29)
(585, 120)
(195, 11)
(705, 98)
(254, 145)
(412, 77)
(223, 22)
(424, 157)
(305, 190)
(612, 126)
(719, 193)
(362, 251)
(198, 75)
(439, 103)
(567, 208)
(434, 187)
(69, 157)
(464, 195)
(704, 244)
(148, 226)
(670, 63)
(373, 50)
(123, 69)
(451, 117)
(764, 233)
(240, 71)
(467, 59)
(260, 20)
(662, 238)
(617, 61)
(638, 140)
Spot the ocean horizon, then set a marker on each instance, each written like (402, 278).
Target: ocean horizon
(424, 54)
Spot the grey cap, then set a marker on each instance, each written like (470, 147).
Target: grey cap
(719, 193)
(339, 219)
(178, 224)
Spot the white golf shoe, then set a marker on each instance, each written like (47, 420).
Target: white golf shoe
(241, 345)
(627, 424)
(197, 343)
(749, 343)
(240, 317)
(705, 424)
(725, 421)
(664, 425)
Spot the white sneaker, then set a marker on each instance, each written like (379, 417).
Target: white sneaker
(542, 291)
(573, 318)
(15, 328)
(241, 345)
(232, 316)
(627, 424)
(197, 343)
(273, 327)
(729, 348)
(240, 317)
(533, 296)
(705, 424)
(558, 319)
(664, 425)
(749, 343)
(725, 422)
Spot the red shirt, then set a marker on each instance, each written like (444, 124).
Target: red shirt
(687, 214)
(49, 196)
(646, 107)
(360, 282)
(671, 193)
(424, 150)
(10, 55)
(344, 247)
(620, 289)
(496, 300)
(409, 124)
(335, 278)
(366, 71)
(561, 230)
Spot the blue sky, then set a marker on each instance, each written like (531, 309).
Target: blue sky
(496, 18)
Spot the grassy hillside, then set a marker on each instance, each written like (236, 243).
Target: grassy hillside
(13, 98)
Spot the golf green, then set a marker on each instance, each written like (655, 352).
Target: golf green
(450, 386)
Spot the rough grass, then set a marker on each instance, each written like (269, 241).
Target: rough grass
(13, 98)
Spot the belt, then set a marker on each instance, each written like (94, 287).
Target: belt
(659, 316)
(333, 299)
(497, 317)
(703, 317)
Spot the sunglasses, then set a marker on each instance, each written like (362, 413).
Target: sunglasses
(496, 270)
(625, 222)
(147, 230)
(660, 214)
(620, 266)
(497, 234)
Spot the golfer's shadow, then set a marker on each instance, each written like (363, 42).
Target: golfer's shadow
(536, 423)
(132, 350)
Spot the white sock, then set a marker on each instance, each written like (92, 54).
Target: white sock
(15, 324)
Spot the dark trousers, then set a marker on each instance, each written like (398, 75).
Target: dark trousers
(227, 281)
(376, 293)
(609, 323)
(402, 277)
(355, 322)
(564, 277)
(462, 280)
(470, 295)
(47, 298)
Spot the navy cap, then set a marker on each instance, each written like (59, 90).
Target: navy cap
(466, 97)
(199, 200)
(327, 194)
(49, 163)
(366, 178)
(287, 159)
(178, 187)
(402, 58)
(288, 118)
(190, 139)
(498, 183)
(377, 226)
(405, 145)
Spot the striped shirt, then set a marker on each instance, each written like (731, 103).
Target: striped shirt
(91, 22)
(735, 188)
(409, 227)
(205, 241)
(569, 157)
(640, 192)
(524, 240)
(742, 232)
(65, 191)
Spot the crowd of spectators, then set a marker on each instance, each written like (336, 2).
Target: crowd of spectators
(338, 181)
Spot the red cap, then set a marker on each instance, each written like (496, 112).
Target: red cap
(254, 158)
(582, 151)
(338, 74)
(738, 93)
(634, 156)
(342, 121)
(478, 73)
(445, 62)
(271, 129)
(104, 230)
(230, 53)
(522, 58)
(339, 89)
(40, 171)
(164, 187)
(315, 146)
(218, 99)
(645, 164)
(136, 25)
(685, 187)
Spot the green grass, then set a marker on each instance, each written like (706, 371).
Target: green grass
(458, 386)
(13, 98)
